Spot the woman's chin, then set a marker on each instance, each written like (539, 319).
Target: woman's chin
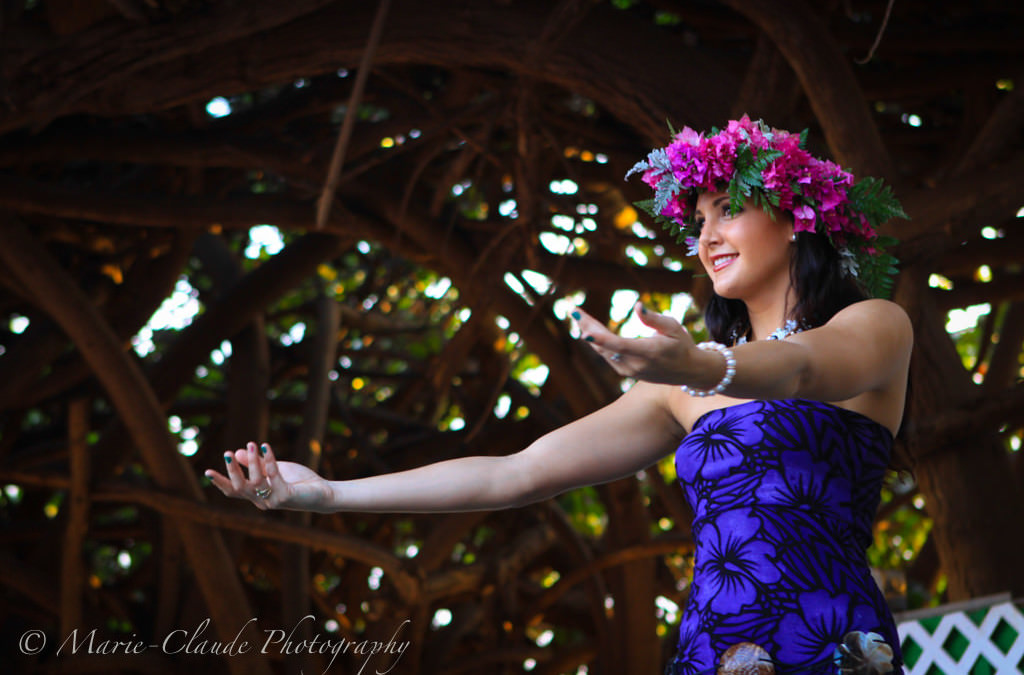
(725, 291)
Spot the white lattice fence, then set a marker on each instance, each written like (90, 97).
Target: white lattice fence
(984, 641)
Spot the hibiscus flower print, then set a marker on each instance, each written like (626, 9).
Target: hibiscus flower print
(787, 427)
(812, 633)
(736, 563)
(808, 486)
(717, 444)
(731, 492)
(694, 648)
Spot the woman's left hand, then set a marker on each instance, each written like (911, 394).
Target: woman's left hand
(270, 484)
(663, 358)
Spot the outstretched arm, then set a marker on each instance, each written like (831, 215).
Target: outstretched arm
(616, 441)
(862, 353)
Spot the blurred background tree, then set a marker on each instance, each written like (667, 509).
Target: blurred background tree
(168, 293)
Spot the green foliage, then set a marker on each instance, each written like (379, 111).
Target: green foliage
(878, 271)
(746, 180)
(111, 564)
(900, 534)
(663, 18)
(472, 203)
(672, 227)
(585, 510)
(872, 197)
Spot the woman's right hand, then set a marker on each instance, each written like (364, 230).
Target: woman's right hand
(666, 357)
(270, 484)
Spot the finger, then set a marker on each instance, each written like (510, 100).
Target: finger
(579, 316)
(234, 472)
(220, 481)
(277, 482)
(270, 477)
(663, 323)
(588, 325)
(607, 343)
(617, 360)
(594, 332)
(256, 476)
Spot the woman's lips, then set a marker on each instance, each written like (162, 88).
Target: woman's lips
(721, 262)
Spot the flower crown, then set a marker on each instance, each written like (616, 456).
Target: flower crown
(770, 166)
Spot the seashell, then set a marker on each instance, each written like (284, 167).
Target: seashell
(746, 658)
(863, 654)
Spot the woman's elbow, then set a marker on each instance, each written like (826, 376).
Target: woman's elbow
(524, 482)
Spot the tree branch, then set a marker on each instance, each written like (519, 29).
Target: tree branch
(827, 78)
(103, 59)
(453, 34)
(953, 428)
(73, 569)
(941, 209)
(131, 395)
(262, 526)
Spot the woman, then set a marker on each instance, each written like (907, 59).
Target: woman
(785, 422)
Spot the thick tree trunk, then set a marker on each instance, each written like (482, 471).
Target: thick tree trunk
(827, 78)
(966, 483)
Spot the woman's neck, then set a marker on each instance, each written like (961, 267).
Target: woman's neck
(768, 317)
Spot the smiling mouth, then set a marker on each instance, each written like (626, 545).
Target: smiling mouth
(722, 262)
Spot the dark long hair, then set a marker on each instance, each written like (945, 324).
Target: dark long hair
(821, 290)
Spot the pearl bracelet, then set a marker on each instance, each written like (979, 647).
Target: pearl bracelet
(730, 370)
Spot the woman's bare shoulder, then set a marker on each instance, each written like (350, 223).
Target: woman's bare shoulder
(877, 314)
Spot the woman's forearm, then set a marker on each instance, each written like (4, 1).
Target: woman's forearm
(831, 364)
(766, 370)
(463, 484)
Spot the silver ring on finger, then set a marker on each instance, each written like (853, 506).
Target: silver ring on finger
(263, 493)
(616, 357)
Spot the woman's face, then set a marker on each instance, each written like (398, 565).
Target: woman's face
(746, 254)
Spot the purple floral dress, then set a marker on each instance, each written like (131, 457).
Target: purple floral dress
(783, 495)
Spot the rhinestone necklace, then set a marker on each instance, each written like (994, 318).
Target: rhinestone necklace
(791, 327)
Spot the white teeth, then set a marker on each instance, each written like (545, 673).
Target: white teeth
(721, 262)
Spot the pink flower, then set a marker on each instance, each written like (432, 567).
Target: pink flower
(803, 219)
(675, 211)
(721, 159)
(652, 176)
(689, 137)
(742, 124)
(775, 176)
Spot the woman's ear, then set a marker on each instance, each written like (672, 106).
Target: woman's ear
(785, 219)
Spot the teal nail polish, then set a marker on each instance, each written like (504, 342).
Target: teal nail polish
(589, 338)
(227, 458)
(643, 310)
(263, 449)
(577, 315)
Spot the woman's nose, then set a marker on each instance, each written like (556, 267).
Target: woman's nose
(708, 234)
